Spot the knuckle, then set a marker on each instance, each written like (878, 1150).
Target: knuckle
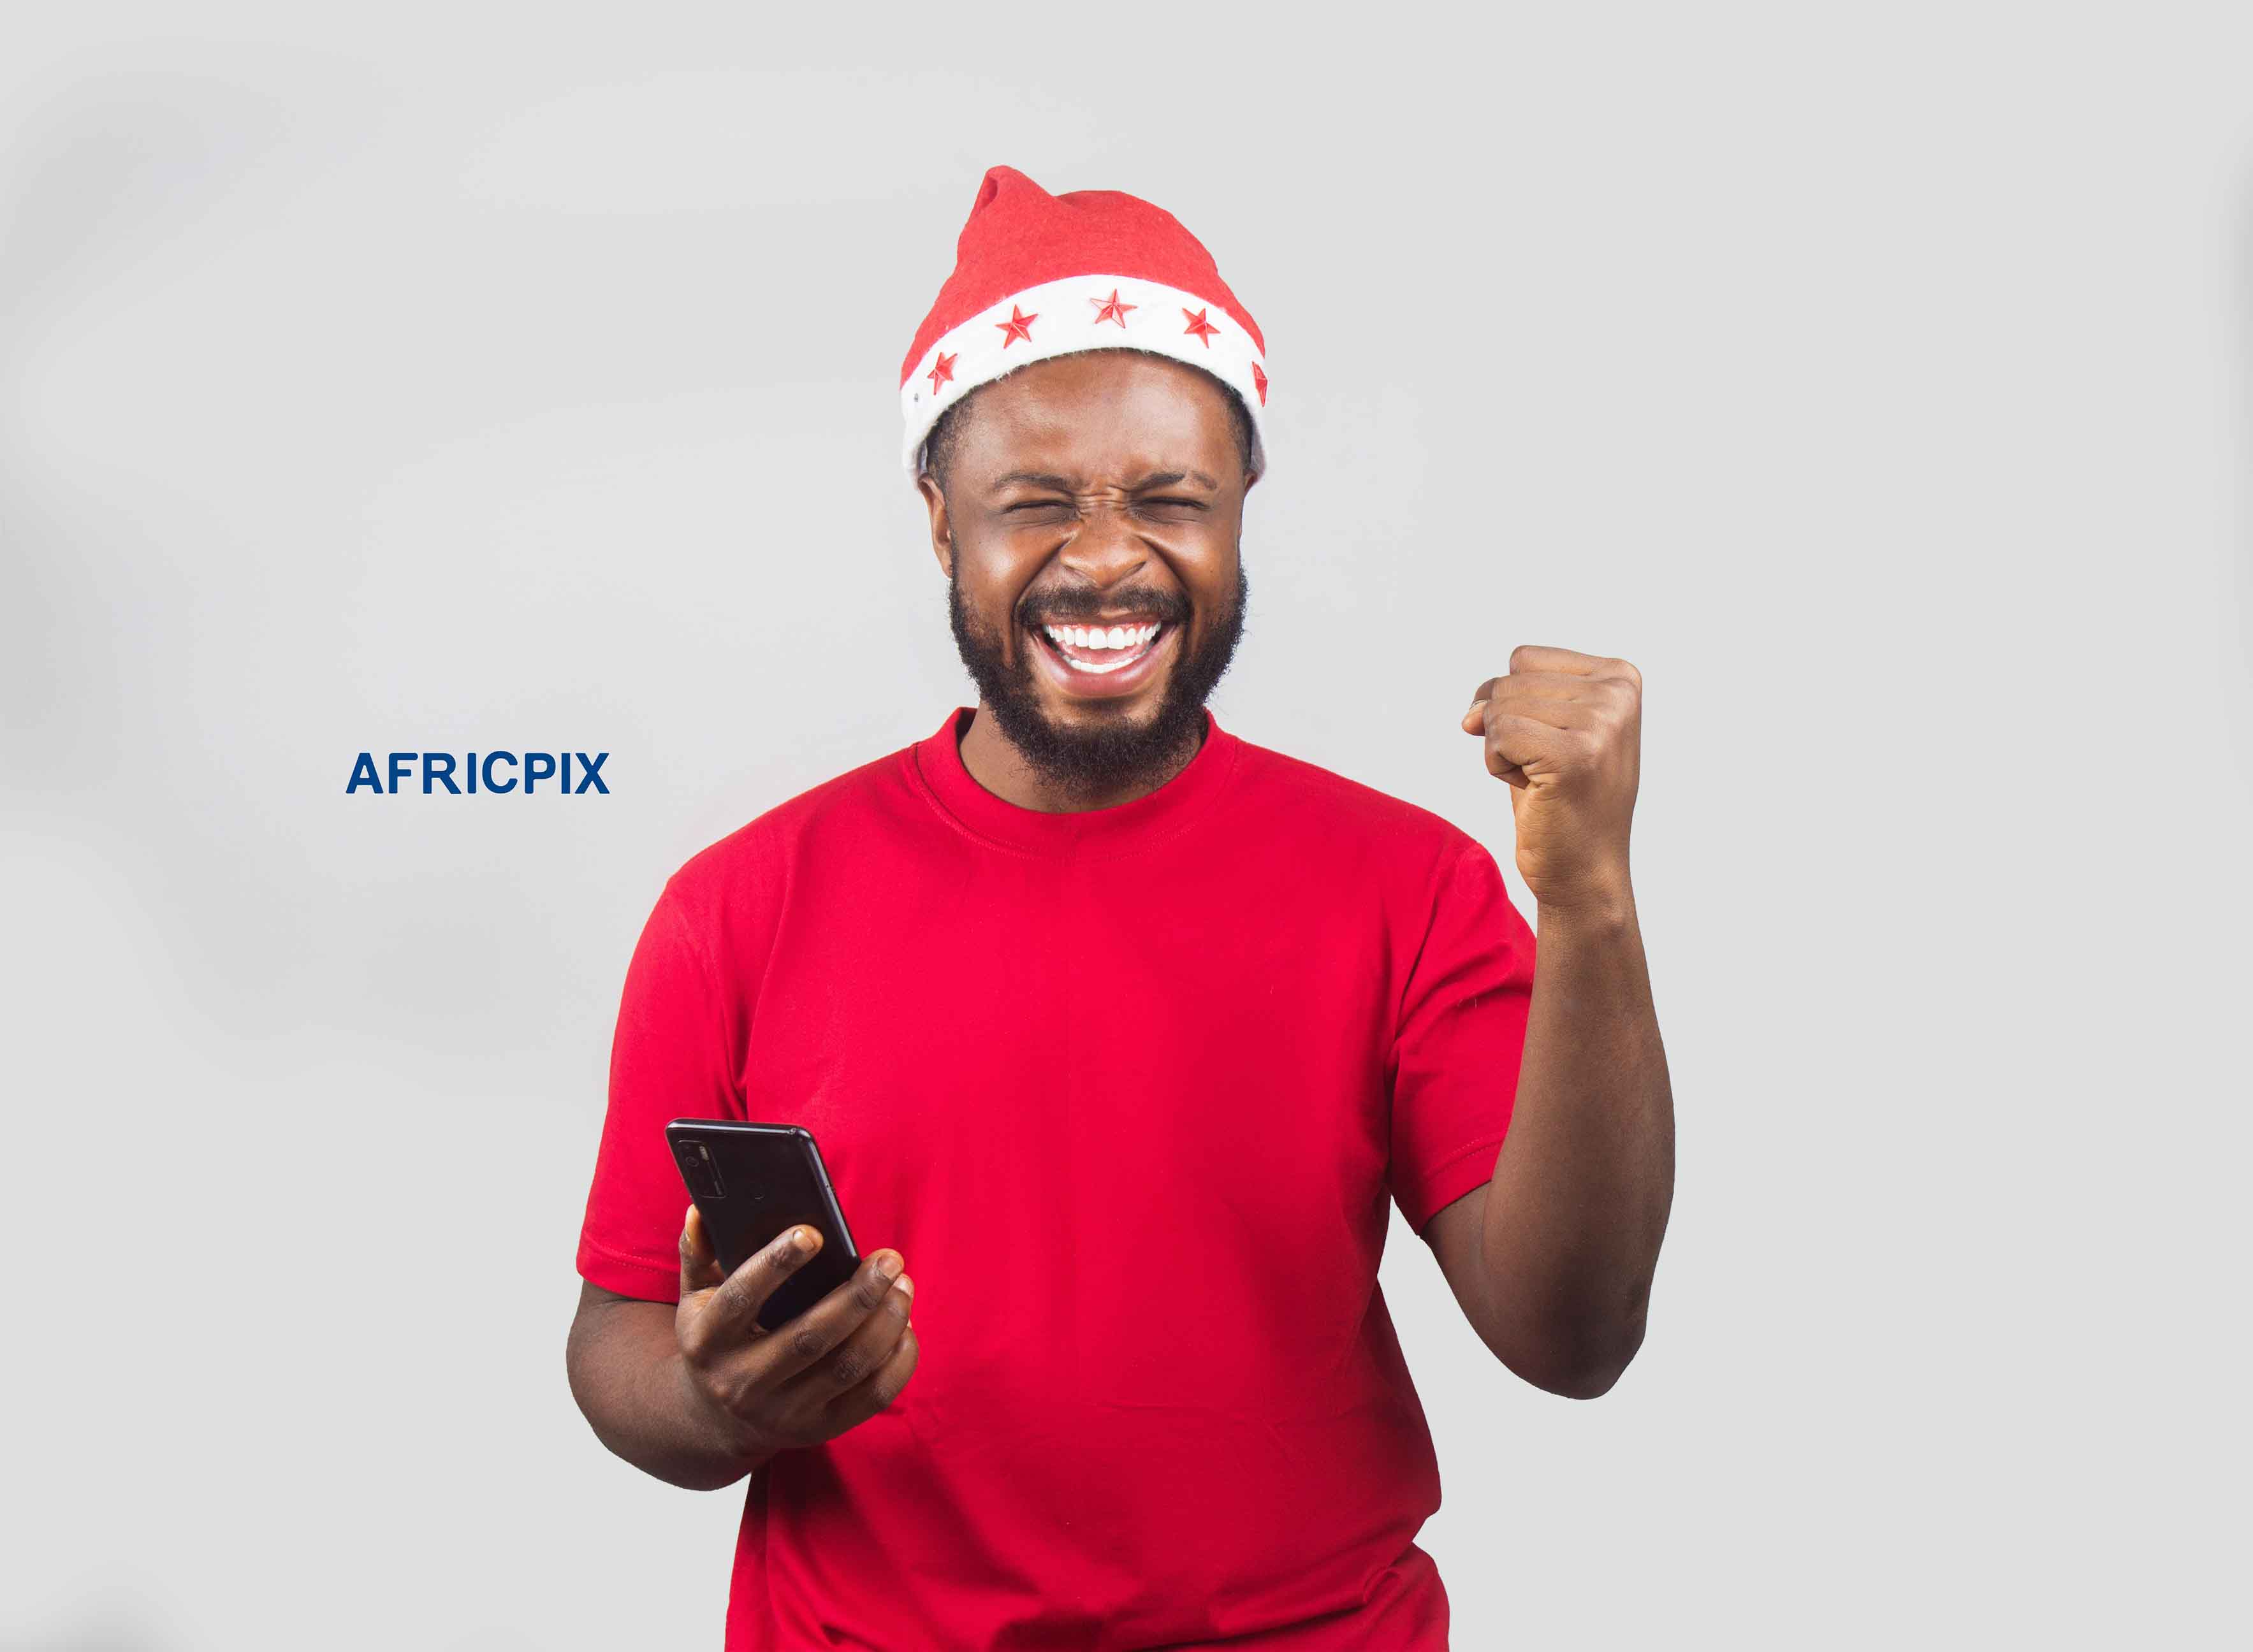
(1519, 655)
(849, 1367)
(695, 1341)
(870, 1289)
(900, 1367)
(807, 1343)
(725, 1394)
(738, 1396)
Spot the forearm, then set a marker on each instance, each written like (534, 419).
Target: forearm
(1578, 1200)
(628, 1375)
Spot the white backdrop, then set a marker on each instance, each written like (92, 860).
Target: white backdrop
(466, 379)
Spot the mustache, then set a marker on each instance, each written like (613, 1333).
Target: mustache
(1077, 610)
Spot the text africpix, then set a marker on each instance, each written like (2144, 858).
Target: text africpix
(573, 772)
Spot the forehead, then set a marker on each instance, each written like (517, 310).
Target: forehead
(1095, 413)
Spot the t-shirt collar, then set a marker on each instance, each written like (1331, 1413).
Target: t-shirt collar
(1121, 829)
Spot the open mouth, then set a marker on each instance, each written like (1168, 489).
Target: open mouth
(1098, 651)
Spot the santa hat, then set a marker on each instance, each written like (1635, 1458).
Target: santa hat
(1037, 275)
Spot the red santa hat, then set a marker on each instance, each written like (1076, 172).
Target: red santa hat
(1037, 275)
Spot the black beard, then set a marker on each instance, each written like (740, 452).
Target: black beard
(1108, 757)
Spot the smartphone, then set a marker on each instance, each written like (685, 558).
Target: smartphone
(749, 1181)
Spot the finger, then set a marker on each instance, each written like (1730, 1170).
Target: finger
(1518, 743)
(733, 1314)
(699, 1269)
(860, 1355)
(1546, 697)
(875, 1392)
(1502, 769)
(1551, 714)
(835, 1317)
(1522, 685)
(1529, 657)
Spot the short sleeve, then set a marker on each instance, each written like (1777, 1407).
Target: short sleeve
(1459, 1036)
(668, 1060)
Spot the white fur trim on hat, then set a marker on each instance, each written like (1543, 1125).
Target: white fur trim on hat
(1060, 317)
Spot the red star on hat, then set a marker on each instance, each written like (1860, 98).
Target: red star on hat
(1260, 378)
(943, 371)
(1204, 329)
(1019, 325)
(1111, 310)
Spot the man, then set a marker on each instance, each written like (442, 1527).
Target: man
(1123, 1030)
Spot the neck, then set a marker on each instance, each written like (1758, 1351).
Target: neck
(996, 763)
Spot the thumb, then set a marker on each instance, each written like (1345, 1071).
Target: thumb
(700, 1268)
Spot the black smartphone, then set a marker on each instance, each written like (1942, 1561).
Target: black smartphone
(750, 1181)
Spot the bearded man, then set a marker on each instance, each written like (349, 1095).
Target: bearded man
(1126, 1032)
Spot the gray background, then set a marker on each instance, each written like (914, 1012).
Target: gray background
(471, 379)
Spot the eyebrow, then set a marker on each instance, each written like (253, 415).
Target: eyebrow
(1156, 479)
(1035, 478)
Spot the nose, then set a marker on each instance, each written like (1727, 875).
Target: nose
(1107, 549)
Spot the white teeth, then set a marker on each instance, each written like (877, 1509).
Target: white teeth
(1100, 671)
(1134, 638)
(1115, 637)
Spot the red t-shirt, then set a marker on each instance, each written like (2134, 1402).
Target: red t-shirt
(1128, 1089)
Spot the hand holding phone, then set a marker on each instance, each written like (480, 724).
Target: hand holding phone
(776, 1381)
(750, 1181)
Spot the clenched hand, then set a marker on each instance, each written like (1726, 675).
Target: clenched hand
(1565, 730)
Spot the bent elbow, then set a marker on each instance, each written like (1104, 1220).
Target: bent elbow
(1589, 1382)
(1582, 1362)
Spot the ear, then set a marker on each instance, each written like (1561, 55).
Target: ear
(942, 530)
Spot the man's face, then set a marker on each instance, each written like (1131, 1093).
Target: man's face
(1101, 492)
